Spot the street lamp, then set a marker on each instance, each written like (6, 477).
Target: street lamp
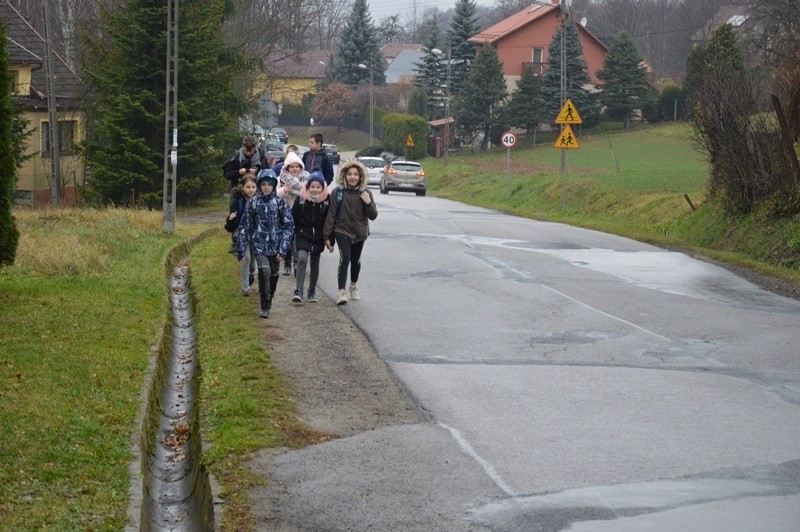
(446, 104)
(371, 100)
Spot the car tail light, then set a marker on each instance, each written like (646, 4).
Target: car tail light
(421, 173)
(391, 171)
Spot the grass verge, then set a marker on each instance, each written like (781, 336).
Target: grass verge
(246, 403)
(627, 183)
(80, 309)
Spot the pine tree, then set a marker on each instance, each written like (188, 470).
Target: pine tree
(525, 109)
(480, 108)
(9, 235)
(358, 44)
(625, 86)
(576, 75)
(463, 26)
(431, 75)
(126, 145)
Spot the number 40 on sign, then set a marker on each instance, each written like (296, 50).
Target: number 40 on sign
(508, 139)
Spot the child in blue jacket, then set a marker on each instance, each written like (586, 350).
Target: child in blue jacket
(267, 226)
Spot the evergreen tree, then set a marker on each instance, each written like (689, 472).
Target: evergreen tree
(417, 102)
(431, 76)
(463, 26)
(525, 109)
(9, 235)
(358, 44)
(625, 86)
(126, 146)
(480, 108)
(576, 74)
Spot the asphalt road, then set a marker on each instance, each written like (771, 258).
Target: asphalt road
(571, 380)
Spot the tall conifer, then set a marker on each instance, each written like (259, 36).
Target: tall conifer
(624, 78)
(463, 26)
(358, 44)
(126, 72)
(525, 109)
(577, 77)
(9, 235)
(480, 107)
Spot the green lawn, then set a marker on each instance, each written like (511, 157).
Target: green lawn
(643, 199)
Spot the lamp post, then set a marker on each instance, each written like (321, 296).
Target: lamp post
(371, 100)
(446, 104)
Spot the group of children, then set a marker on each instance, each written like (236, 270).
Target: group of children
(275, 217)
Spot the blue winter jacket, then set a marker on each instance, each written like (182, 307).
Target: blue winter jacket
(267, 225)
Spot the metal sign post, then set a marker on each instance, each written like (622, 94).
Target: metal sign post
(567, 140)
(509, 140)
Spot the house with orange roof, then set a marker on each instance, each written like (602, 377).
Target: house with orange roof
(524, 38)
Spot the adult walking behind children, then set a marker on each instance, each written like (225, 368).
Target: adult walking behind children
(347, 223)
(267, 226)
(246, 159)
(247, 189)
(309, 212)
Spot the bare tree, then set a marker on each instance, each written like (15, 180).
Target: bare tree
(661, 29)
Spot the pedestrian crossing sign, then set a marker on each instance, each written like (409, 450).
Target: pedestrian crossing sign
(567, 139)
(569, 114)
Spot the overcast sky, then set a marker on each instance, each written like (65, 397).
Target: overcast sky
(380, 9)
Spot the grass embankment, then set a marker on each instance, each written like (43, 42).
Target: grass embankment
(79, 312)
(629, 183)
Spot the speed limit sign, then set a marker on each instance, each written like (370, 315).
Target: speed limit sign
(508, 139)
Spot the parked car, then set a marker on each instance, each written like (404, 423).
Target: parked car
(333, 152)
(403, 176)
(283, 136)
(374, 169)
(272, 148)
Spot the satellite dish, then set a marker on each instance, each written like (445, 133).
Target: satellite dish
(583, 21)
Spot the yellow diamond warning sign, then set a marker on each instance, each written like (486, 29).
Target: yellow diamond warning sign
(567, 140)
(409, 141)
(568, 114)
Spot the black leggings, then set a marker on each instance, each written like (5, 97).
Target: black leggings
(349, 255)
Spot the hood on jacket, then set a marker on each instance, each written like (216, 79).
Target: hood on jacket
(345, 166)
(292, 158)
(304, 189)
(266, 175)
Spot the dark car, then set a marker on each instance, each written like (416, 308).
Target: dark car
(283, 136)
(272, 148)
(333, 152)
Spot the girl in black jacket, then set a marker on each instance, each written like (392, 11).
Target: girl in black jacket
(239, 197)
(309, 212)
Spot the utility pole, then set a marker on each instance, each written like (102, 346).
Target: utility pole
(52, 113)
(446, 143)
(563, 20)
(171, 119)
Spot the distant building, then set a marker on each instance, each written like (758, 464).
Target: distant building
(524, 39)
(401, 69)
(290, 76)
(26, 52)
(751, 30)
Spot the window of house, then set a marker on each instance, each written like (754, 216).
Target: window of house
(537, 58)
(15, 83)
(66, 137)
